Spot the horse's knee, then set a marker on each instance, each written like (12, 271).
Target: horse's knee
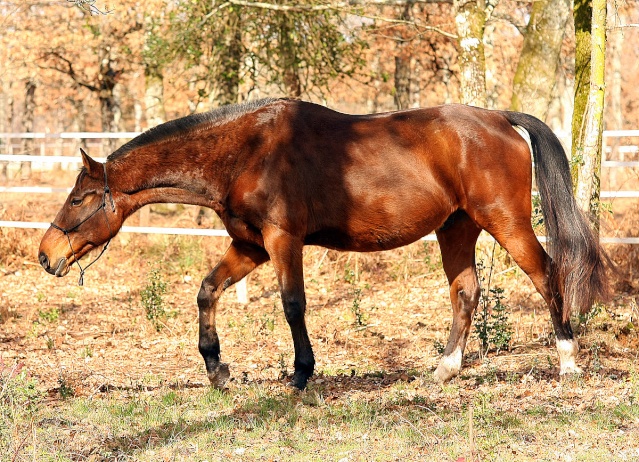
(470, 295)
(294, 309)
(209, 293)
(204, 297)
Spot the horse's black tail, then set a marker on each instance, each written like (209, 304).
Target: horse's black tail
(579, 265)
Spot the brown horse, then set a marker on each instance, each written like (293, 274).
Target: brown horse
(284, 173)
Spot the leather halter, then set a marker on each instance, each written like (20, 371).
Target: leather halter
(67, 231)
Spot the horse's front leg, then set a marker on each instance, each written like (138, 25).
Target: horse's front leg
(285, 251)
(238, 261)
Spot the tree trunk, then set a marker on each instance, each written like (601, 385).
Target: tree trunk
(587, 135)
(537, 67)
(470, 21)
(582, 14)
(402, 81)
(403, 74)
(27, 126)
(78, 124)
(614, 118)
(615, 109)
(6, 118)
(107, 80)
(153, 96)
(288, 60)
(107, 112)
(415, 83)
(154, 112)
(372, 97)
(292, 82)
(230, 61)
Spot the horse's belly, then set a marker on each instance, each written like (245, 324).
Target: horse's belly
(366, 233)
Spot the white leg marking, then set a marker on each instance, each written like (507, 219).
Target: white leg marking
(449, 366)
(568, 350)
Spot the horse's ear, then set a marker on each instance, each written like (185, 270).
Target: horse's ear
(94, 168)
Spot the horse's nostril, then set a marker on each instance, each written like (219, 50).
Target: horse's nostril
(44, 260)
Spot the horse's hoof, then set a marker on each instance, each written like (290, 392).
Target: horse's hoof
(449, 367)
(443, 374)
(298, 382)
(219, 376)
(570, 369)
(568, 350)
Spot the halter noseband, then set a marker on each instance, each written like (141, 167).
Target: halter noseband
(67, 231)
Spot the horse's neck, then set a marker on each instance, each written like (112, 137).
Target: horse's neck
(173, 195)
(152, 184)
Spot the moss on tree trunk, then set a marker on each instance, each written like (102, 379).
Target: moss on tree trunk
(589, 106)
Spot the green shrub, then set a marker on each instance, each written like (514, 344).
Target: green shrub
(152, 299)
(492, 326)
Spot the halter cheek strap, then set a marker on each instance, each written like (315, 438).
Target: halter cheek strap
(67, 231)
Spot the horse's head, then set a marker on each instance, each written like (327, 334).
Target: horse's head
(89, 218)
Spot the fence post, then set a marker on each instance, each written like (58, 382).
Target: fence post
(242, 291)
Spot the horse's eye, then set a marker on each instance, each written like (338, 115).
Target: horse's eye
(76, 202)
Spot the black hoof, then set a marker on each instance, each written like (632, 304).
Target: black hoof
(299, 381)
(219, 375)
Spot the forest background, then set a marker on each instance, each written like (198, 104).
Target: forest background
(127, 65)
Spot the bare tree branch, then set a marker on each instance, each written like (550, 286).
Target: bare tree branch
(345, 5)
(89, 6)
(329, 6)
(622, 26)
(415, 24)
(275, 7)
(65, 68)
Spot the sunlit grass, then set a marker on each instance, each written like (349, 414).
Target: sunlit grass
(252, 421)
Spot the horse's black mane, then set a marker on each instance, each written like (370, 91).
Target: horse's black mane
(174, 127)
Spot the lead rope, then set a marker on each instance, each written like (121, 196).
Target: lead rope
(107, 192)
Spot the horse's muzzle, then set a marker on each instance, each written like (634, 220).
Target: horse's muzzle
(59, 269)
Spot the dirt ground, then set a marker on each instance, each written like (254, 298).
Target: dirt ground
(372, 317)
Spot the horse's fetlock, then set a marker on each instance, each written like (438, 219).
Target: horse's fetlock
(209, 348)
(218, 375)
(303, 371)
(306, 365)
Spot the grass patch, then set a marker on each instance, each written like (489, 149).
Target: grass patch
(251, 422)
(282, 425)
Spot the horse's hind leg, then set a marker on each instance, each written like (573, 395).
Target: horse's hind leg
(238, 261)
(457, 243)
(516, 235)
